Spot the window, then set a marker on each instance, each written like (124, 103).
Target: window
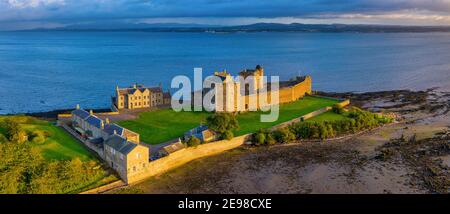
(138, 155)
(134, 168)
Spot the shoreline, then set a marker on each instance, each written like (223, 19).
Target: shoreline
(52, 114)
(370, 162)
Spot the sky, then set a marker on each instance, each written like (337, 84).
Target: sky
(28, 14)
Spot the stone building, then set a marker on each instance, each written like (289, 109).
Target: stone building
(203, 133)
(245, 97)
(92, 127)
(126, 158)
(120, 147)
(139, 96)
(174, 145)
(89, 125)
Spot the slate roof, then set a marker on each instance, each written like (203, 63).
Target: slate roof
(200, 132)
(141, 88)
(166, 95)
(109, 128)
(120, 144)
(81, 113)
(94, 121)
(196, 130)
(173, 147)
(155, 89)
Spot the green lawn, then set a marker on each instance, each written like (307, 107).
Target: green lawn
(163, 125)
(250, 122)
(327, 116)
(59, 145)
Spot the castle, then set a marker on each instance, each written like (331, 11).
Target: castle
(139, 96)
(233, 100)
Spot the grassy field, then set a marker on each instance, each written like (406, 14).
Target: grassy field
(163, 125)
(250, 122)
(59, 145)
(60, 149)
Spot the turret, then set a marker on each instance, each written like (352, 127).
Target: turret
(91, 112)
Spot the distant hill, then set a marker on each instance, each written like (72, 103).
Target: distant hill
(258, 27)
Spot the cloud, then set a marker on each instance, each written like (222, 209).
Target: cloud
(72, 11)
(20, 4)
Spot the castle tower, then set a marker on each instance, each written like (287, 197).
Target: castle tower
(258, 75)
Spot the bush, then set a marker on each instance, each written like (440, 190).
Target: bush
(270, 140)
(357, 120)
(39, 136)
(3, 139)
(227, 135)
(338, 109)
(263, 137)
(283, 135)
(193, 141)
(259, 138)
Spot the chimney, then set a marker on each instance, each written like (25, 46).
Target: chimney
(102, 125)
(78, 106)
(107, 120)
(135, 85)
(91, 112)
(115, 131)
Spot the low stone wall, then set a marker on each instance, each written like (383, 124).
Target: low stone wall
(309, 115)
(105, 188)
(315, 113)
(186, 155)
(108, 113)
(344, 103)
(299, 119)
(63, 116)
(89, 145)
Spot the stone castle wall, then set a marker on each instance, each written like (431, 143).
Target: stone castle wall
(285, 94)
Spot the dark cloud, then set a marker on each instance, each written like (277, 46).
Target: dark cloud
(80, 10)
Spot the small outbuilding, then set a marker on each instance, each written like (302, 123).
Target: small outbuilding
(201, 132)
(175, 145)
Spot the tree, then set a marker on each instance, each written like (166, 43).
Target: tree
(14, 132)
(223, 123)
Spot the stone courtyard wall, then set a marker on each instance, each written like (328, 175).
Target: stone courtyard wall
(186, 155)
